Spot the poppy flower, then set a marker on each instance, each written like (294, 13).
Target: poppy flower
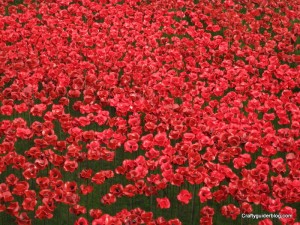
(174, 222)
(6, 110)
(70, 165)
(230, 211)
(161, 139)
(287, 211)
(204, 194)
(77, 209)
(20, 188)
(86, 189)
(104, 219)
(184, 196)
(21, 108)
(95, 213)
(81, 221)
(11, 179)
(42, 212)
(108, 199)
(207, 211)
(98, 178)
(265, 222)
(55, 174)
(163, 203)
(246, 208)
(130, 146)
(23, 219)
(278, 165)
(206, 220)
(7, 196)
(129, 190)
(116, 190)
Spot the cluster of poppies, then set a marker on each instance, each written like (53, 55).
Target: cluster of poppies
(198, 92)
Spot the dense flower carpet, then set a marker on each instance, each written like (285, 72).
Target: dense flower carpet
(156, 112)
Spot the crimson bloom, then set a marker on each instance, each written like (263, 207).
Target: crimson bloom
(163, 203)
(81, 221)
(184, 196)
(204, 194)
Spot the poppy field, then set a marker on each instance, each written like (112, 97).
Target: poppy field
(155, 112)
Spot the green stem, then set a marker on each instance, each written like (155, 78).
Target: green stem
(193, 204)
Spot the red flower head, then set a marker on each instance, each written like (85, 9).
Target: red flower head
(230, 211)
(108, 199)
(77, 209)
(204, 194)
(246, 208)
(20, 188)
(11, 179)
(131, 146)
(278, 165)
(207, 211)
(6, 110)
(116, 190)
(95, 213)
(174, 222)
(163, 203)
(54, 174)
(184, 196)
(23, 219)
(29, 204)
(13, 208)
(43, 212)
(129, 190)
(81, 221)
(161, 139)
(288, 211)
(103, 220)
(86, 189)
(70, 165)
(147, 217)
(265, 222)
(86, 173)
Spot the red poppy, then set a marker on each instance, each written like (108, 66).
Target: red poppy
(287, 211)
(86, 189)
(265, 222)
(207, 211)
(81, 221)
(108, 199)
(7, 196)
(184, 196)
(95, 213)
(42, 212)
(204, 194)
(20, 188)
(174, 222)
(163, 203)
(116, 190)
(77, 209)
(11, 179)
(29, 204)
(6, 110)
(246, 208)
(131, 146)
(129, 190)
(98, 178)
(230, 211)
(70, 165)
